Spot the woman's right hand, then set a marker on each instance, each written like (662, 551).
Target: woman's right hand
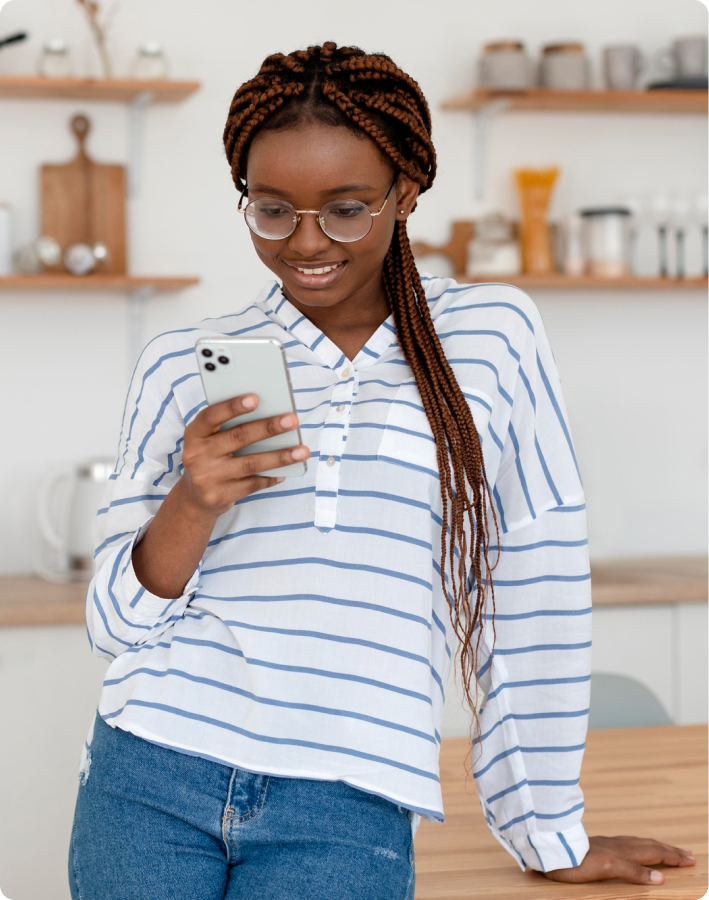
(214, 478)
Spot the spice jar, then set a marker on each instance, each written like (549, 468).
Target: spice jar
(494, 249)
(55, 60)
(150, 62)
(607, 240)
(504, 65)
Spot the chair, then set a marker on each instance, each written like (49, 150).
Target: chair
(618, 701)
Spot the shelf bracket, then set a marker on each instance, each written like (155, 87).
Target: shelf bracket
(481, 119)
(136, 113)
(136, 323)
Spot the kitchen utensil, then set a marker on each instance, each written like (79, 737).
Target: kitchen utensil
(693, 83)
(564, 67)
(504, 65)
(55, 61)
(607, 241)
(700, 208)
(83, 202)
(79, 259)
(5, 239)
(535, 187)
(67, 526)
(685, 58)
(679, 223)
(150, 62)
(455, 250)
(494, 249)
(622, 65)
(13, 38)
(48, 251)
(660, 212)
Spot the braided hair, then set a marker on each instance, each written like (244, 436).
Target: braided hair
(370, 95)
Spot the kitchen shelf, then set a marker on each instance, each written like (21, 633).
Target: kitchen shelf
(588, 282)
(61, 282)
(486, 103)
(30, 600)
(122, 90)
(546, 100)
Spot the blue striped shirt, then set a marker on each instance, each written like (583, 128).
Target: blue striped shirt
(314, 639)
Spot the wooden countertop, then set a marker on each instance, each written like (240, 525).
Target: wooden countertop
(29, 600)
(645, 782)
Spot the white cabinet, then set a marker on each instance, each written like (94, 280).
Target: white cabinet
(662, 645)
(50, 684)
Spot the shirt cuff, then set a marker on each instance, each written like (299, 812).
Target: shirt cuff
(145, 606)
(549, 850)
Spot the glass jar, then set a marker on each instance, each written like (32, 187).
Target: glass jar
(55, 60)
(150, 62)
(607, 241)
(493, 249)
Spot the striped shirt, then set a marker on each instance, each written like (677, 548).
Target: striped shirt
(314, 640)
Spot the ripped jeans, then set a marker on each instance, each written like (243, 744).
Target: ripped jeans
(154, 824)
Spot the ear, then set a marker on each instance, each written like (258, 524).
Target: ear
(406, 193)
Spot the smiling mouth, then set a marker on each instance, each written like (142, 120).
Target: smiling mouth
(311, 270)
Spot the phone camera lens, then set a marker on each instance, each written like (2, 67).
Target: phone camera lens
(206, 352)
(223, 360)
(210, 366)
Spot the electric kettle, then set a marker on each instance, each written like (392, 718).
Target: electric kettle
(68, 526)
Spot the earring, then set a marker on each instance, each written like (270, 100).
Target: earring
(402, 211)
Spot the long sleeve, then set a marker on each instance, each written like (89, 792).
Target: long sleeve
(535, 692)
(120, 612)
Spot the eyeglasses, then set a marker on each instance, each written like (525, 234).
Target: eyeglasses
(342, 220)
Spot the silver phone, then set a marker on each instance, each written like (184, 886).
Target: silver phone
(231, 366)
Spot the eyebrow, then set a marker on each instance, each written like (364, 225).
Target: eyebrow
(343, 188)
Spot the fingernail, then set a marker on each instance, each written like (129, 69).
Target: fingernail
(286, 421)
(300, 453)
(655, 876)
(249, 402)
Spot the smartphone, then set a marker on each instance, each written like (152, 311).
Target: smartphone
(230, 366)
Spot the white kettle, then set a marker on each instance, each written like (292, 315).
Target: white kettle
(69, 529)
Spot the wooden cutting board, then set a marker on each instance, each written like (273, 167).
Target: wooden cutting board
(84, 202)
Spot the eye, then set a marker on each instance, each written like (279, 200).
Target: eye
(273, 210)
(347, 210)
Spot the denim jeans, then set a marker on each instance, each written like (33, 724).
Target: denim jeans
(154, 824)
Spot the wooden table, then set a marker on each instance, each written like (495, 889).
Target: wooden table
(646, 782)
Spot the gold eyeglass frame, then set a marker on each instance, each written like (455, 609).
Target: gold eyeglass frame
(315, 212)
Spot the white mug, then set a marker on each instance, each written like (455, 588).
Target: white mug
(686, 58)
(622, 64)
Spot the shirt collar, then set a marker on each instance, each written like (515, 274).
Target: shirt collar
(273, 302)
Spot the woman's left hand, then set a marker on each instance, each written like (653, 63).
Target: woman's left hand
(624, 857)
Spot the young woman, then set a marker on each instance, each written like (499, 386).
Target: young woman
(270, 722)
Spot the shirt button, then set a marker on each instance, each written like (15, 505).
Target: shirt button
(341, 407)
(331, 460)
(345, 373)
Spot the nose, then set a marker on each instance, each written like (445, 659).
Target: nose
(308, 238)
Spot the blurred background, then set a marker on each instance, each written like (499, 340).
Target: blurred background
(572, 148)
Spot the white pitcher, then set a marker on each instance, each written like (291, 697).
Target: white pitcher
(71, 536)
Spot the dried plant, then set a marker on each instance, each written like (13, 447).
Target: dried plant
(99, 29)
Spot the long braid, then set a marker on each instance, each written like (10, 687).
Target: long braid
(370, 94)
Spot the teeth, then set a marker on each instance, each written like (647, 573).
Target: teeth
(318, 271)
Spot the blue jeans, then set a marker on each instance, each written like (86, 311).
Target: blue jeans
(154, 824)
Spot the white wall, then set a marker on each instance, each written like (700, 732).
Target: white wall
(633, 365)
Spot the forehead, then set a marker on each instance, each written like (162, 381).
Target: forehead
(314, 156)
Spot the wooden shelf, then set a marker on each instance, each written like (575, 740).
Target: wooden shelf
(67, 282)
(588, 282)
(121, 90)
(649, 579)
(30, 600)
(545, 100)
